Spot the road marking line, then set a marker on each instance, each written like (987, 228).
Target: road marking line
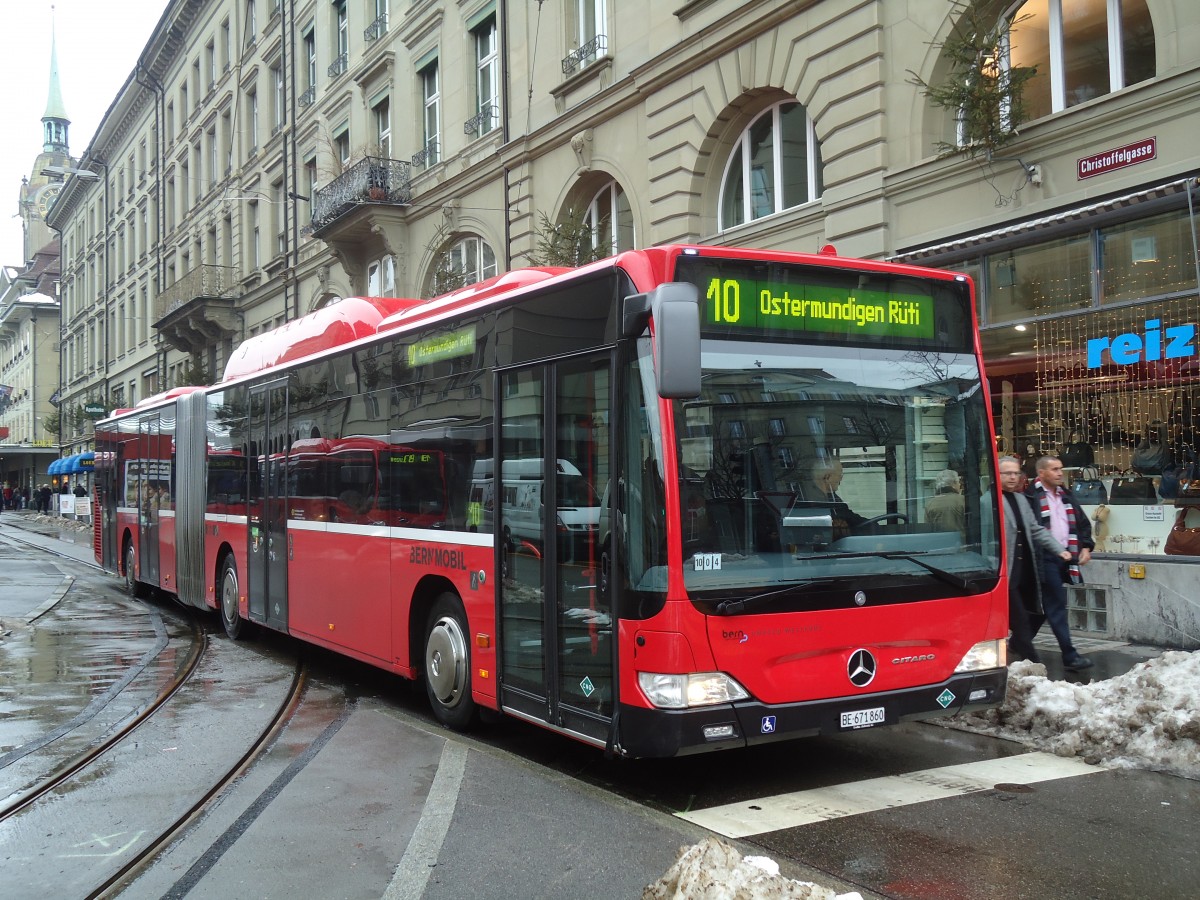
(738, 820)
(104, 842)
(412, 872)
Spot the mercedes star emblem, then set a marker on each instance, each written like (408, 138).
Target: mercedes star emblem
(861, 668)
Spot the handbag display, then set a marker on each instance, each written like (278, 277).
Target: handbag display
(1182, 541)
(1132, 490)
(1078, 455)
(1088, 489)
(1149, 458)
(1181, 482)
(1188, 494)
(1151, 455)
(1168, 482)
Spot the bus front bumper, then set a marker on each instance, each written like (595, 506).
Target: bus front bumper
(669, 732)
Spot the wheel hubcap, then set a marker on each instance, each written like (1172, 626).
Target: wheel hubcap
(229, 598)
(446, 661)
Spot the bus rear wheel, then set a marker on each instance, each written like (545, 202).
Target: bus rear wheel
(131, 583)
(235, 626)
(448, 664)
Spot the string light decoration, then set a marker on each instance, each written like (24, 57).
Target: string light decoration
(1114, 405)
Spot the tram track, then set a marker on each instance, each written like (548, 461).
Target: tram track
(146, 856)
(52, 781)
(139, 726)
(81, 767)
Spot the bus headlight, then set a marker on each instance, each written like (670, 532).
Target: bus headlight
(685, 691)
(984, 655)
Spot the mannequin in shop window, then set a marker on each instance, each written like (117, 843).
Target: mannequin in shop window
(1030, 454)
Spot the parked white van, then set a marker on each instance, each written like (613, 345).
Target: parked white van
(578, 514)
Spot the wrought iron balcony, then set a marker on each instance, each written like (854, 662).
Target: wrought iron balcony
(376, 29)
(339, 65)
(307, 98)
(371, 180)
(202, 282)
(577, 59)
(427, 157)
(482, 123)
(200, 309)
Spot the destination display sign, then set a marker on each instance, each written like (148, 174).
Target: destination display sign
(762, 305)
(408, 459)
(443, 346)
(804, 302)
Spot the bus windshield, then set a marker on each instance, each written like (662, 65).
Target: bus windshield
(802, 464)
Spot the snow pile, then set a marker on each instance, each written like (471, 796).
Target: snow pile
(714, 870)
(1147, 718)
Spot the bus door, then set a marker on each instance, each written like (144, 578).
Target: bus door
(552, 467)
(105, 495)
(149, 485)
(269, 547)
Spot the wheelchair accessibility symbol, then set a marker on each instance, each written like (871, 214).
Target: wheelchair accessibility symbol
(768, 725)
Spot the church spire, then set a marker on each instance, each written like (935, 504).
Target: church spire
(54, 121)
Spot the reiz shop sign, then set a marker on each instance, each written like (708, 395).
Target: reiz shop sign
(1156, 343)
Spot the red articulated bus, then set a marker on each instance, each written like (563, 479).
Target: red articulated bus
(673, 501)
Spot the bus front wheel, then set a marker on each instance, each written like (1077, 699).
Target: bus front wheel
(448, 664)
(235, 626)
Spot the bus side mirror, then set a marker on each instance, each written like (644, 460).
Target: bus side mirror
(675, 309)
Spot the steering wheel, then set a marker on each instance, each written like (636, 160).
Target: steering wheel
(899, 517)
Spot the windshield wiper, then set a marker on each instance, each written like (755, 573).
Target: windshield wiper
(734, 606)
(941, 574)
(737, 605)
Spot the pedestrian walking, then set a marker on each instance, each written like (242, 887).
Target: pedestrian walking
(1025, 541)
(1058, 511)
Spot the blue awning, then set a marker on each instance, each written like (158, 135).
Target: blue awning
(75, 464)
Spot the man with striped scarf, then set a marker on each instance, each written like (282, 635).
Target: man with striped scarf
(1059, 513)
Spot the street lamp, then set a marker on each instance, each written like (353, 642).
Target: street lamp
(83, 174)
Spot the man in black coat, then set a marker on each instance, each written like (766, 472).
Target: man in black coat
(1059, 513)
(1025, 542)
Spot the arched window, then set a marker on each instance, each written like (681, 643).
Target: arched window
(466, 261)
(610, 219)
(1081, 49)
(775, 165)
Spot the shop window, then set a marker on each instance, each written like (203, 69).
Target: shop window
(1033, 281)
(775, 165)
(1081, 49)
(1115, 394)
(1148, 258)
